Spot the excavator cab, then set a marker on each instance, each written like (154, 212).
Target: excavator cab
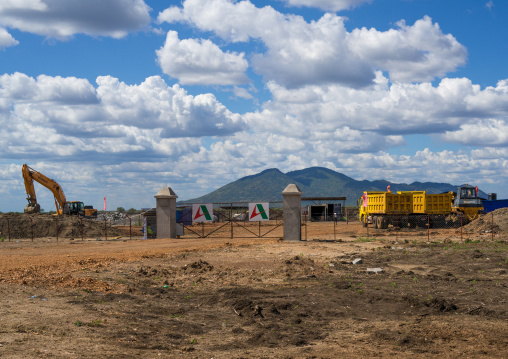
(74, 208)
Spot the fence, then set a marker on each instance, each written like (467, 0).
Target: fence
(425, 227)
(232, 222)
(32, 227)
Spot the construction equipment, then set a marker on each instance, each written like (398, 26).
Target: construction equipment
(62, 206)
(466, 201)
(416, 208)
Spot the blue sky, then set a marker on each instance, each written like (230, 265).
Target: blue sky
(120, 98)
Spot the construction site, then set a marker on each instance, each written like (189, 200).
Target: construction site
(408, 274)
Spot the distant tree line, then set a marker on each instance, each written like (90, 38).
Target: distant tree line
(129, 211)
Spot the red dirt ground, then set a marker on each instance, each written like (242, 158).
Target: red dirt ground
(256, 298)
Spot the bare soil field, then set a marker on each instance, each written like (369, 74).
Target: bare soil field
(256, 297)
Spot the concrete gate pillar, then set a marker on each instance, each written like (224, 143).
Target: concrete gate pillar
(292, 207)
(166, 213)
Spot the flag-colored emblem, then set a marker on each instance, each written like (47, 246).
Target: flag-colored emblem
(202, 212)
(259, 211)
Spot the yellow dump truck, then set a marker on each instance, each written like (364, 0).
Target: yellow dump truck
(403, 209)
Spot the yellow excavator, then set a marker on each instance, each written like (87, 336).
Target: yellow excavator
(62, 206)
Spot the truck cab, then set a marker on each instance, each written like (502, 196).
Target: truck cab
(362, 210)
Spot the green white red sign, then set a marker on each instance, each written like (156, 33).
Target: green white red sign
(202, 212)
(259, 211)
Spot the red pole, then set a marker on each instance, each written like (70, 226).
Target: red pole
(334, 232)
(9, 229)
(492, 225)
(81, 224)
(428, 228)
(461, 228)
(397, 227)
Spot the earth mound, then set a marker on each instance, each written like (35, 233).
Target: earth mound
(496, 221)
(16, 226)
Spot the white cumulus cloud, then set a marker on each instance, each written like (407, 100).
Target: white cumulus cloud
(63, 18)
(54, 116)
(329, 5)
(410, 53)
(6, 39)
(383, 114)
(489, 133)
(322, 51)
(200, 62)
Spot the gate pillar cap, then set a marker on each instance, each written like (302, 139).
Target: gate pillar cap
(166, 192)
(292, 190)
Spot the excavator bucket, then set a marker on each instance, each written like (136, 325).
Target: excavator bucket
(33, 208)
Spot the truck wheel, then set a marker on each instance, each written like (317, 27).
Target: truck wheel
(384, 223)
(380, 222)
(364, 222)
(374, 222)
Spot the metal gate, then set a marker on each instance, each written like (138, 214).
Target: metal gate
(322, 214)
(230, 220)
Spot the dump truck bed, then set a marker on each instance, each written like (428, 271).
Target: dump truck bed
(432, 203)
(389, 203)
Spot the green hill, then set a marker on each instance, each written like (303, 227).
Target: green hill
(267, 186)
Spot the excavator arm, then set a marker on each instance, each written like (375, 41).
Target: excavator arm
(29, 176)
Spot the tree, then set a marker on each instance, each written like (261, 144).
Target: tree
(132, 211)
(120, 209)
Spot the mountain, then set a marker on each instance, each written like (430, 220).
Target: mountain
(267, 186)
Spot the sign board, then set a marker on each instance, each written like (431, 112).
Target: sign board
(259, 211)
(202, 212)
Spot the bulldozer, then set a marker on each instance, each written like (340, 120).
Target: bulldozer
(63, 207)
(466, 201)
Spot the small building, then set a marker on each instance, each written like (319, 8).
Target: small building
(328, 211)
(324, 212)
